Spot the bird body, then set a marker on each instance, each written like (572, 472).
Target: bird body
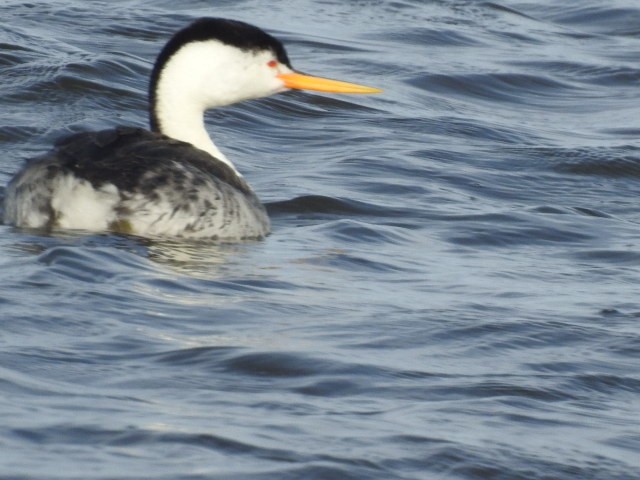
(172, 180)
(135, 181)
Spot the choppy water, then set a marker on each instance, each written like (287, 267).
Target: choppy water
(450, 290)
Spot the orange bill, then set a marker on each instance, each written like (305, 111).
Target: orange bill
(307, 82)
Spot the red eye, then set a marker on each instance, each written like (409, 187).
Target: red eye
(272, 63)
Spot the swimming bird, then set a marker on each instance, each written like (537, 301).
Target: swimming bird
(171, 180)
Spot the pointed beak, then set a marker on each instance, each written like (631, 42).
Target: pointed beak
(307, 82)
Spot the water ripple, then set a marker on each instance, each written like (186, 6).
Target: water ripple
(449, 290)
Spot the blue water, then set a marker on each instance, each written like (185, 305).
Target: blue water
(450, 290)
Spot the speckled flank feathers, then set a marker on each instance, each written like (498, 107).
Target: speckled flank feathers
(134, 180)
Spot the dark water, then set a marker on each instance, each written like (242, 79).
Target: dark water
(450, 290)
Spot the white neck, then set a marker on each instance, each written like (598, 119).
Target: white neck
(208, 74)
(181, 99)
(184, 121)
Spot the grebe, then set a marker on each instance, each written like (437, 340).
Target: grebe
(172, 180)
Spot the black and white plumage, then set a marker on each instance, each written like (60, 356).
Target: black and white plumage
(172, 180)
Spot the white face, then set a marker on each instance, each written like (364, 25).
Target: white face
(210, 74)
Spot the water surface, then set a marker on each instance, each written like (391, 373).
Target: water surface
(450, 288)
